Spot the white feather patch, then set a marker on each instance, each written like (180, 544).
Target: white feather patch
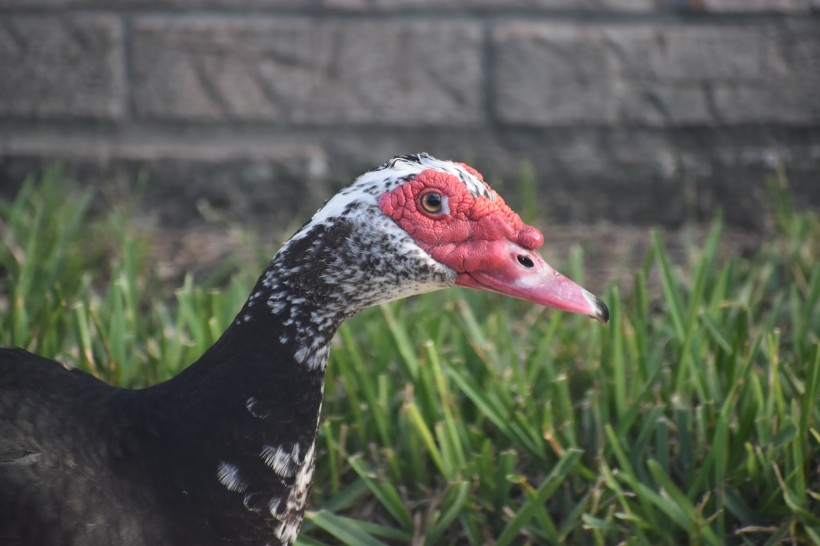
(228, 475)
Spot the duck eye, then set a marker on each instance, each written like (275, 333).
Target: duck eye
(432, 202)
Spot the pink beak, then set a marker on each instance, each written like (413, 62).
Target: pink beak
(511, 269)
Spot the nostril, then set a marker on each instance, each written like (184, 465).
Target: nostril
(526, 261)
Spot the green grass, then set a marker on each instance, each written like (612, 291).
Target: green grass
(468, 418)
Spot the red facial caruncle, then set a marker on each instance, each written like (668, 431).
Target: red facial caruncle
(483, 241)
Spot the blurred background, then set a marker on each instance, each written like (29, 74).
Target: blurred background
(593, 117)
(171, 145)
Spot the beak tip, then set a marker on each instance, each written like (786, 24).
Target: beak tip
(601, 311)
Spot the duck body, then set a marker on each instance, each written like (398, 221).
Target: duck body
(224, 452)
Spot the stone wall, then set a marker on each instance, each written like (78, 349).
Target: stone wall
(648, 111)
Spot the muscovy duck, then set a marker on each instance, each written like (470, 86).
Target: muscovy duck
(225, 451)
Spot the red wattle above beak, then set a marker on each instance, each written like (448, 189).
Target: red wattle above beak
(515, 271)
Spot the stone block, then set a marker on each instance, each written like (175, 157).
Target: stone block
(492, 5)
(553, 74)
(61, 67)
(303, 71)
(173, 5)
(657, 75)
(796, 105)
(178, 177)
(748, 6)
(701, 53)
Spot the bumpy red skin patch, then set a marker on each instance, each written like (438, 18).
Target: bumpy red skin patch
(475, 233)
(485, 243)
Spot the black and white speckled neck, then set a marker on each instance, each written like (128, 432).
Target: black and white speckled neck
(347, 257)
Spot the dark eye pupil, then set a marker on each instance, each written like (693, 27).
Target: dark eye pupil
(432, 202)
